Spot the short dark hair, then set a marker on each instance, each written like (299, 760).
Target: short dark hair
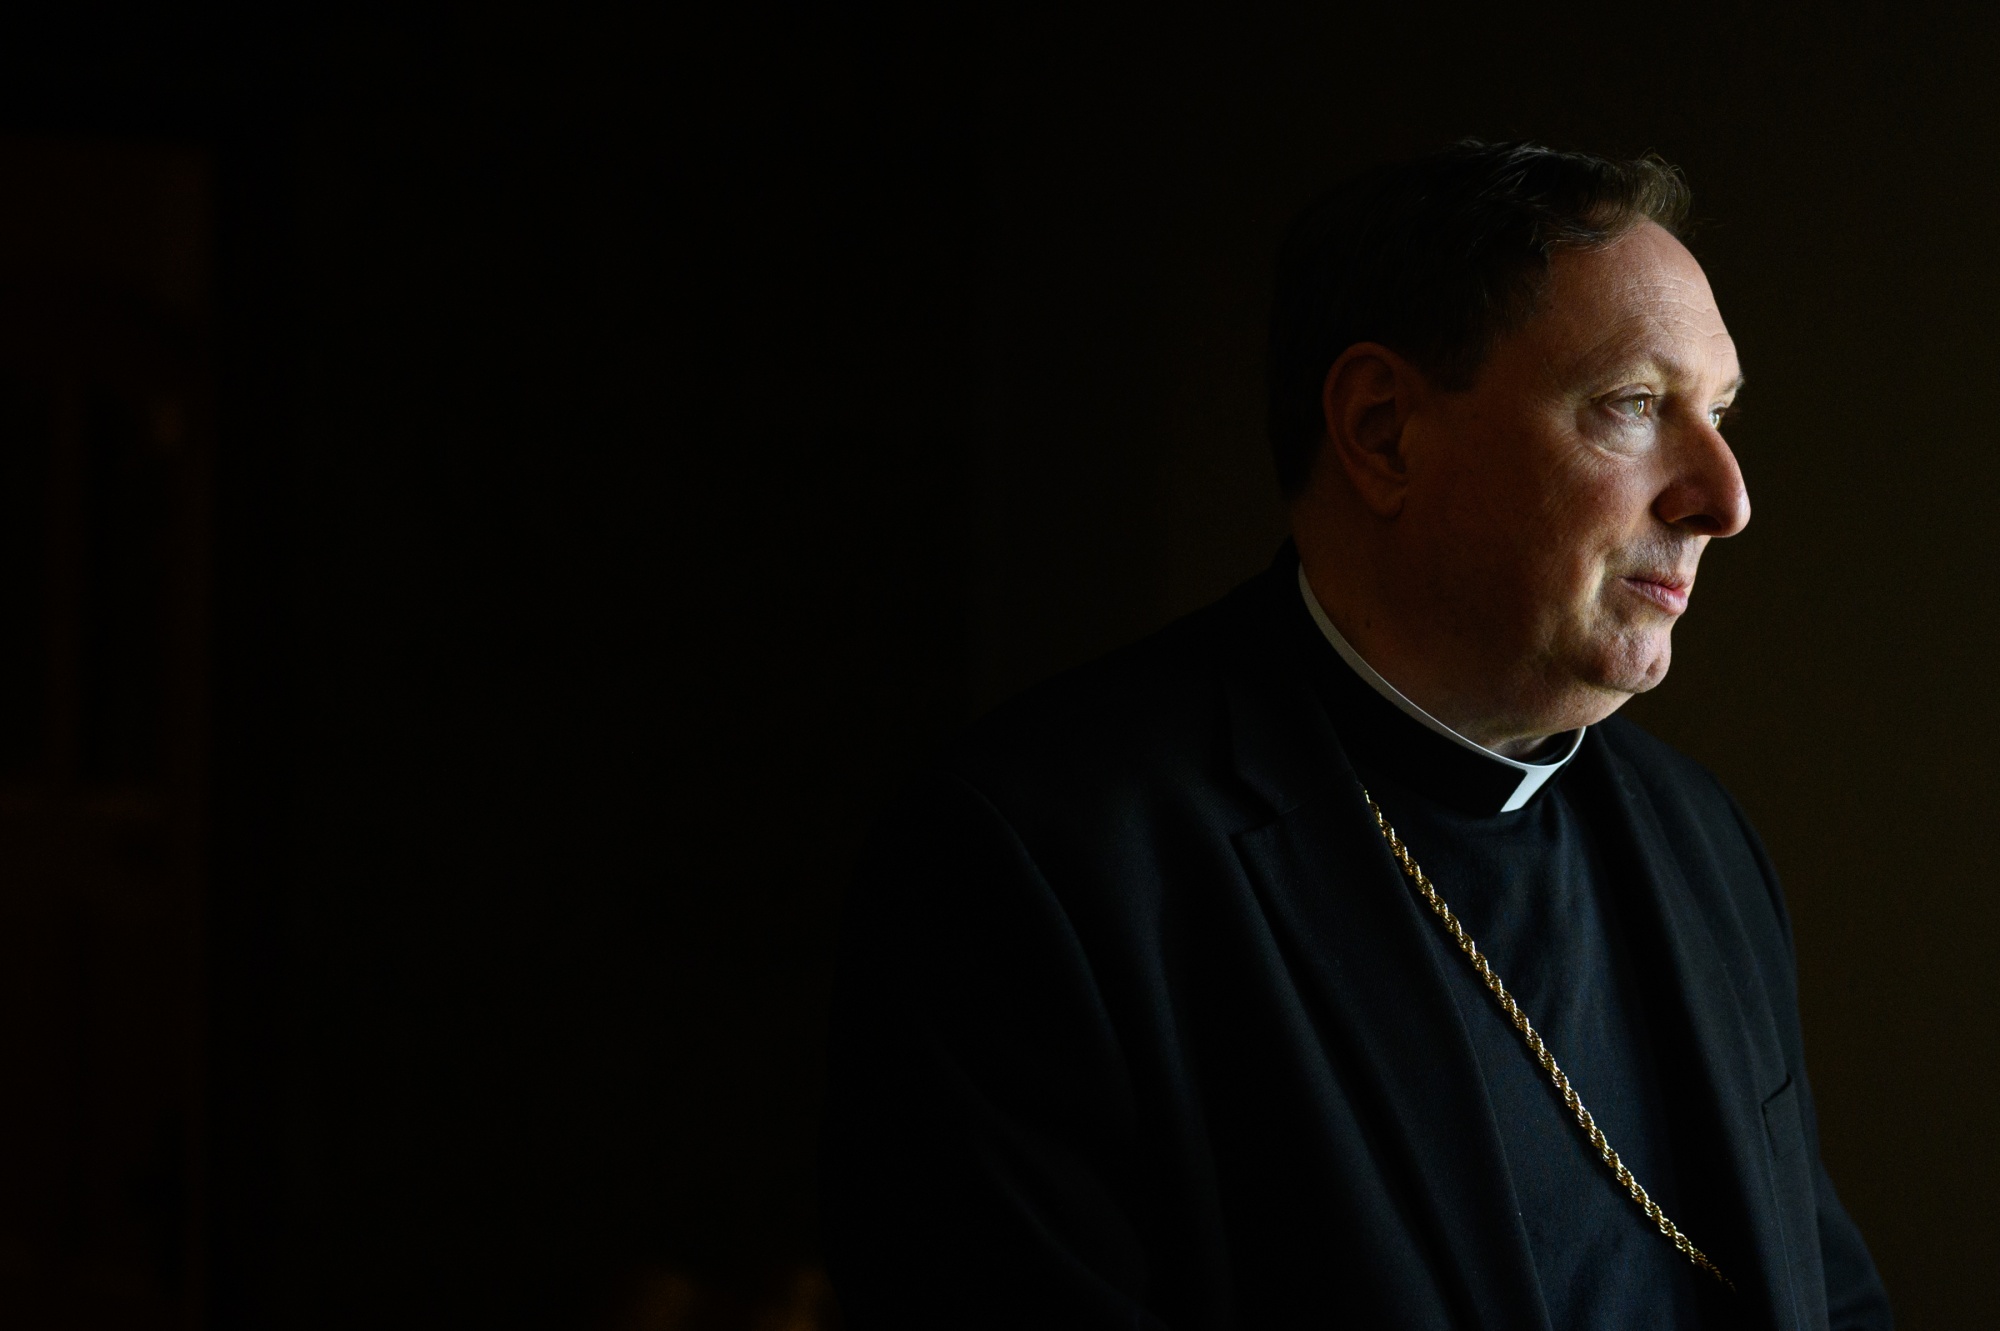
(1435, 258)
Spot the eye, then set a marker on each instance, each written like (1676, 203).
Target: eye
(1717, 415)
(1637, 407)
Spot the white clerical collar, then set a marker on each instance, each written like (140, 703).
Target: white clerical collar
(1533, 775)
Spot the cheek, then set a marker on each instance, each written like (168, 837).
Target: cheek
(1515, 553)
(1563, 556)
(1588, 514)
(1526, 520)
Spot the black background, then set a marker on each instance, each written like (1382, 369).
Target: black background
(641, 435)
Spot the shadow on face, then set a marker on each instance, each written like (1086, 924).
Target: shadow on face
(1560, 505)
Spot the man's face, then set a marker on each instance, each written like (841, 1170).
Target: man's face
(1558, 506)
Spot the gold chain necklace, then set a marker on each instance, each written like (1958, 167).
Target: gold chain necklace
(1422, 883)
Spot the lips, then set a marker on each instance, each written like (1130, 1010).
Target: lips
(1668, 592)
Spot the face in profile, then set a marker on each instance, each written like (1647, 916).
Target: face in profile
(1563, 501)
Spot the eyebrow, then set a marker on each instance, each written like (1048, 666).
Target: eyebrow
(1681, 370)
(1677, 369)
(1608, 360)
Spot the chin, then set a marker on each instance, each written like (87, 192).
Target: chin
(1630, 665)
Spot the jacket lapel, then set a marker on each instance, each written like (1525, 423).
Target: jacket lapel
(1691, 928)
(1356, 946)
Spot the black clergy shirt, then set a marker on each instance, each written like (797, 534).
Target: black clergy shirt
(1137, 1025)
(1532, 888)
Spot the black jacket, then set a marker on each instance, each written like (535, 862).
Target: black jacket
(1139, 1026)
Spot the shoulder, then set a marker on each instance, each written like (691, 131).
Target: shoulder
(1086, 804)
(1664, 771)
(1143, 722)
(1699, 817)
(1677, 785)
(1118, 760)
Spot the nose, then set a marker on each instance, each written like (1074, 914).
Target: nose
(1705, 494)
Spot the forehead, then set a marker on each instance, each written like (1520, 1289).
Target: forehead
(1638, 305)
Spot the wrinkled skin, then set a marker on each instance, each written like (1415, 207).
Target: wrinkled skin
(1514, 555)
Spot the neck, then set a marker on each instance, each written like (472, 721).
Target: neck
(1422, 671)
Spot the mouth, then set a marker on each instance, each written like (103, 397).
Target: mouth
(1667, 591)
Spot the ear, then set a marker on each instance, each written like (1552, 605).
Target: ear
(1366, 399)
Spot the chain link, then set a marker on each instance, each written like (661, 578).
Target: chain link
(1429, 893)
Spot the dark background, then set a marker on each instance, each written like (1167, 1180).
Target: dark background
(637, 438)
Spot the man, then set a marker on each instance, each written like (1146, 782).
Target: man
(1336, 957)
